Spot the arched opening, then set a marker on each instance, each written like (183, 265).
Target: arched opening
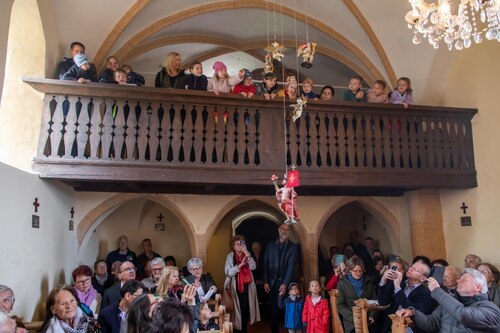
(138, 218)
(353, 216)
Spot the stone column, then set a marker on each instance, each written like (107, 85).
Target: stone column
(426, 224)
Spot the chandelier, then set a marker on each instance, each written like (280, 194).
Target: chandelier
(436, 23)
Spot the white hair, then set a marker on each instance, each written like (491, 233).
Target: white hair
(194, 262)
(158, 260)
(478, 278)
(4, 288)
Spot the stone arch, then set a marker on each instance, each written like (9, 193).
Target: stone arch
(143, 35)
(372, 206)
(299, 228)
(95, 217)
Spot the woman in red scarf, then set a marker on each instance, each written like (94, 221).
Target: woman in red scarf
(238, 269)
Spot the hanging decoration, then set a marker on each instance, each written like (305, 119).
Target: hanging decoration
(307, 51)
(298, 106)
(275, 51)
(286, 195)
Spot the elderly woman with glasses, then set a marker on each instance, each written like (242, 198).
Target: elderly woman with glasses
(204, 283)
(355, 285)
(87, 295)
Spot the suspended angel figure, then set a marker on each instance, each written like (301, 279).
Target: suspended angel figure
(298, 107)
(268, 63)
(287, 201)
(307, 51)
(276, 51)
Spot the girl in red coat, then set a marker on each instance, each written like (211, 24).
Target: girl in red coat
(316, 315)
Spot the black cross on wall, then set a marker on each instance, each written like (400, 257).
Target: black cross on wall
(72, 212)
(464, 207)
(160, 217)
(36, 204)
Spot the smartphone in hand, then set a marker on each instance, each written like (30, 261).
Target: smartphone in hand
(437, 272)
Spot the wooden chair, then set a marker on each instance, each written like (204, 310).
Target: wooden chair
(399, 324)
(336, 322)
(360, 314)
(33, 326)
(226, 327)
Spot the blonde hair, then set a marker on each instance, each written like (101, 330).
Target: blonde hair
(162, 289)
(169, 61)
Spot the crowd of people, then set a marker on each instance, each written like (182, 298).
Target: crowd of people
(148, 293)
(79, 68)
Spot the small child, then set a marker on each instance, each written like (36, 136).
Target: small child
(377, 93)
(293, 304)
(268, 87)
(221, 82)
(133, 77)
(354, 94)
(120, 76)
(290, 89)
(82, 71)
(307, 89)
(206, 323)
(316, 314)
(246, 88)
(196, 80)
(402, 94)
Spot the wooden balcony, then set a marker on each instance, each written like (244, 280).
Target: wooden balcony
(104, 137)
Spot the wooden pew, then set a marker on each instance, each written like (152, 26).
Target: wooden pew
(360, 314)
(399, 324)
(336, 323)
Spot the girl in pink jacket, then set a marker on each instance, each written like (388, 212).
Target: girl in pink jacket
(221, 82)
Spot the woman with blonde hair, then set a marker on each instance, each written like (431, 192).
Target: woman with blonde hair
(171, 74)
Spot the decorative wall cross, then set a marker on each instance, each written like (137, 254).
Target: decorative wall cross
(72, 212)
(160, 217)
(464, 207)
(36, 204)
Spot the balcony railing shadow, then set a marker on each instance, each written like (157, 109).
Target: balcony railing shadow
(98, 133)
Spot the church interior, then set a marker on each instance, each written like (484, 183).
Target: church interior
(192, 184)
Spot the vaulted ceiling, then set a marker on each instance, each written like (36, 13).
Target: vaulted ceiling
(369, 38)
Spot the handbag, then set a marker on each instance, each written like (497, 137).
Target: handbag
(227, 298)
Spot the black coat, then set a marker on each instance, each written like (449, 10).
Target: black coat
(107, 284)
(272, 261)
(162, 80)
(109, 319)
(64, 66)
(107, 76)
(75, 73)
(111, 295)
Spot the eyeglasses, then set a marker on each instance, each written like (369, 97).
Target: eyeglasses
(83, 282)
(197, 268)
(413, 268)
(157, 269)
(129, 269)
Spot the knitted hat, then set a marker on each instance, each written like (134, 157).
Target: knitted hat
(293, 284)
(247, 73)
(81, 59)
(218, 66)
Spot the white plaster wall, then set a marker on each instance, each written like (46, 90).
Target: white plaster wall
(473, 82)
(5, 10)
(33, 261)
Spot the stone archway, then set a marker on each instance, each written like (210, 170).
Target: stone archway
(97, 215)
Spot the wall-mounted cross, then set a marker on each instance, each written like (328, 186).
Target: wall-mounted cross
(36, 204)
(160, 217)
(464, 207)
(72, 212)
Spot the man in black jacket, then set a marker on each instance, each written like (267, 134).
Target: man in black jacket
(278, 267)
(404, 294)
(67, 63)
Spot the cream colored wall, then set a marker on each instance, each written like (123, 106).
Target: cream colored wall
(33, 261)
(5, 10)
(473, 82)
(21, 110)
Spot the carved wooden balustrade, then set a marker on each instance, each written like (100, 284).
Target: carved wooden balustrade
(141, 139)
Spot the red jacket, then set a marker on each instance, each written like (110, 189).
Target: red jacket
(240, 87)
(317, 317)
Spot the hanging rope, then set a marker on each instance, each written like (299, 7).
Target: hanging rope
(284, 91)
(267, 20)
(307, 25)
